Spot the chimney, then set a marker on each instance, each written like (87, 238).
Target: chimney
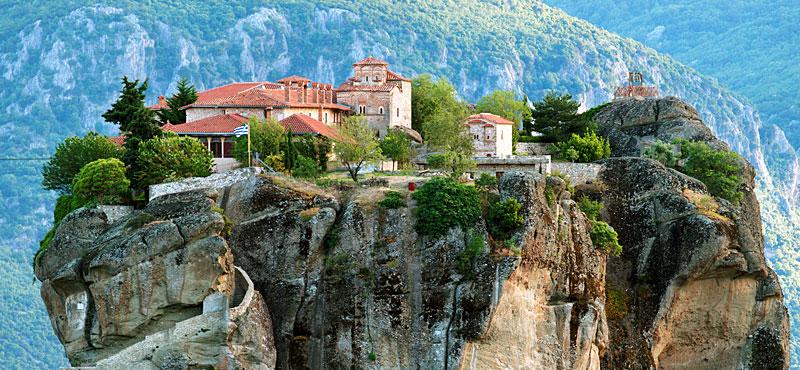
(162, 100)
(286, 94)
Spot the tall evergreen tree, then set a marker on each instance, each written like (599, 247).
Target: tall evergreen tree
(135, 120)
(555, 116)
(185, 95)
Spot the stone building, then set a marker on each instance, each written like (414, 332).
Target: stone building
(636, 88)
(492, 135)
(382, 96)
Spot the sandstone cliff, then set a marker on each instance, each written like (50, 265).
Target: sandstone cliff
(271, 272)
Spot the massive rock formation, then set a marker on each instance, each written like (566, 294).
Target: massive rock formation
(692, 289)
(152, 289)
(331, 279)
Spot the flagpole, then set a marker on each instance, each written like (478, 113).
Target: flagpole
(249, 162)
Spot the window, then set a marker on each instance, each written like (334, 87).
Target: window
(476, 136)
(362, 109)
(367, 78)
(488, 137)
(377, 78)
(398, 112)
(326, 117)
(309, 114)
(501, 135)
(380, 110)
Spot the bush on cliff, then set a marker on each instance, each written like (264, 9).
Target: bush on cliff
(443, 203)
(590, 207)
(503, 218)
(605, 238)
(172, 158)
(719, 170)
(71, 155)
(585, 148)
(102, 181)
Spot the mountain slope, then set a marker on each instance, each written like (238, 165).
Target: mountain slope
(61, 66)
(729, 38)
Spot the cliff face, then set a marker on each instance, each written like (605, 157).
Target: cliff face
(294, 276)
(692, 288)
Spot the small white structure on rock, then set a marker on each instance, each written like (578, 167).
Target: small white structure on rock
(492, 135)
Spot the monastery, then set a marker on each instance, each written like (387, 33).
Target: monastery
(299, 104)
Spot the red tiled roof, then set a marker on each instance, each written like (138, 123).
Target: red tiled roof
(349, 86)
(119, 140)
(221, 124)
(643, 91)
(394, 76)
(294, 78)
(493, 118)
(370, 61)
(162, 104)
(230, 90)
(268, 97)
(303, 124)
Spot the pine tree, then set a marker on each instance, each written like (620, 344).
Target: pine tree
(555, 117)
(135, 120)
(185, 95)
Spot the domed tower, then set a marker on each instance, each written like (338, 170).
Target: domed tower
(377, 93)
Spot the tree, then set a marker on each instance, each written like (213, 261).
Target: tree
(135, 120)
(289, 152)
(504, 104)
(452, 161)
(102, 181)
(185, 95)
(172, 157)
(266, 138)
(588, 147)
(555, 117)
(71, 155)
(434, 101)
(358, 146)
(719, 170)
(397, 146)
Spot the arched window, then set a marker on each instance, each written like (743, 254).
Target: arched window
(377, 78)
(380, 110)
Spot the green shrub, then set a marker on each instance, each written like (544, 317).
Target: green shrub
(474, 248)
(393, 200)
(504, 217)
(456, 163)
(605, 238)
(532, 139)
(171, 158)
(662, 152)
(562, 176)
(103, 181)
(590, 207)
(443, 203)
(71, 155)
(586, 148)
(486, 182)
(305, 167)
(720, 170)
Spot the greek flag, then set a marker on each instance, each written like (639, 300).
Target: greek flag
(241, 130)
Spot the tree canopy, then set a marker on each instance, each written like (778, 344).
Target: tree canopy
(186, 94)
(556, 117)
(434, 103)
(358, 146)
(102, 181)
(71, 155)
(172, 157)
(397, 146)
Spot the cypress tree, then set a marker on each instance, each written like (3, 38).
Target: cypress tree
(135, 120)
(289, 154)
(185, 95)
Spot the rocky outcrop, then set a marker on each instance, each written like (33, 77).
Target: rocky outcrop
(692, 289)
(148, 289)
(332, 279)
(551, 313)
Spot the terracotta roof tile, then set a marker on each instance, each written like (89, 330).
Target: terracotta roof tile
(349, 86)
(119, 140)
(370, 61)
(303, 124)
(221, 124)
(493, 118)
(394, 76)
(294, 78)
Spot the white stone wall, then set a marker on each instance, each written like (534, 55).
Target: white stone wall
(504, 141)
(400, 106)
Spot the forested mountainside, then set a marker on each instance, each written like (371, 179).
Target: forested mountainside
(62, 63)
(750, 46)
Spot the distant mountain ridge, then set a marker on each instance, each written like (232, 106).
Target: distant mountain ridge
(62, 64)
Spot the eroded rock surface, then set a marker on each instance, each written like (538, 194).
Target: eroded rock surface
(110, 286)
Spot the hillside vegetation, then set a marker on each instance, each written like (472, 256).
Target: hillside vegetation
(62, 63)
